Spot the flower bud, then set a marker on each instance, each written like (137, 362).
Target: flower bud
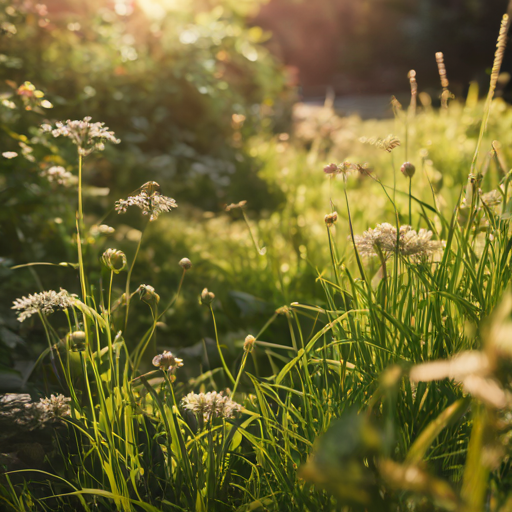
(167, 361)
(207, 297)
(77, 339)
(331, 218)
(408, 169)
(114, 260)
(249, 343)
(185, 264)
(148, 295)
(331, 169)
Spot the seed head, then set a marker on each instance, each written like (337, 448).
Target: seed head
(331, 219)
(167, 362)
(408, 169)
(207, 297)
(235, 206)
(54, 407)
(249, 343)
(185, 264)
(114, 260)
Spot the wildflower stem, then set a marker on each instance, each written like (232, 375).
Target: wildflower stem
(224, 365)
(242, 367)
(128, 278)
(262, 250)
(175, 298)
(410, 201)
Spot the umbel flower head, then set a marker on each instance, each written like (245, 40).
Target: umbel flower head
(166, 361)
(149, 200)
(44, 302)
(211, 405)
(383, 240)
(54, 407)
(87, 136)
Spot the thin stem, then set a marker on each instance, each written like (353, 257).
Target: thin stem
(242, 366)
(410, 201)
(128, 278)
(224, 365)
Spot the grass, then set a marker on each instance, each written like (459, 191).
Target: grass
(333, 417)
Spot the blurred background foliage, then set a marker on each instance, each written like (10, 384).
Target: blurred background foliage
(203, 108)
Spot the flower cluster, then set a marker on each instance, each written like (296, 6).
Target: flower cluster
(211, 405)
(115, 260)
(87, 136)
(167, 361)
(44, 302)
(9, 154)
(331, 219)
(383, 240)
(59, 175)
(54, 407)
(346, 168)
(149, 200)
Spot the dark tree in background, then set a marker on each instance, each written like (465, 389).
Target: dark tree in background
(367, 46)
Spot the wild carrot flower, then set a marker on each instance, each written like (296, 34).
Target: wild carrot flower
(9, 154)
(54, 407)
(167, 362)
(211, 405)
(383, 239)
(149, 200)
(44, 302)
(87, 136)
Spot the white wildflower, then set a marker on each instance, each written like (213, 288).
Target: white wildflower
(44, 302)
(211, 405)
(167, 361)
(9, 154)
(102, 229)
(59, 175)
(54, 407)
(87, 136)
(149, 200)
(384, 239)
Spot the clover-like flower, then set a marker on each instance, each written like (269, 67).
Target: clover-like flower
(167, 362)
(44, 302)
(149, 200)
(87, 136)
(185, 264)
(211, 405)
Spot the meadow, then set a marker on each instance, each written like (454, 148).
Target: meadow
(332, 331)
